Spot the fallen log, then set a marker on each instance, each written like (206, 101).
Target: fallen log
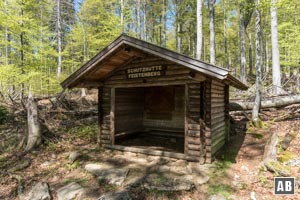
(279, 101)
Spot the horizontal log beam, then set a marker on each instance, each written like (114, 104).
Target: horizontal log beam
(153, 152)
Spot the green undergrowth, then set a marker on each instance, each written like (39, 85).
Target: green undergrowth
(87, 132)
(221, 189)
(157, 194)
(107, 187)
(80, 181)
(3, 115)
(285, 156)
(264, 125)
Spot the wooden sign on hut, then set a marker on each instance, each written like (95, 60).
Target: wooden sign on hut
(156, 101)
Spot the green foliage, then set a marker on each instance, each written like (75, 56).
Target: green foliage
(87, 132)
(3, 114)
(32, 61)
(106, 186)
(256, 135)
(222, 189)
(80, 181)
(73, 166)
(285, 156)
(262, 180)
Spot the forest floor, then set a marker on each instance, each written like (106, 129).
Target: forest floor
(235, 174)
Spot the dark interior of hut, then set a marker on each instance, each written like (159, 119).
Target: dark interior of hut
(150, 117)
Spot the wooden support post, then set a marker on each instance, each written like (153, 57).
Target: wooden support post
(227, 117)
(100, 113)
(112, 115)
(186, 118)
(207, 120)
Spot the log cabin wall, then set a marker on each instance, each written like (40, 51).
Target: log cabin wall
(218, 127)
(194, 145)
(169, 120)
(206, 125)
(105, 118)
(129, 107)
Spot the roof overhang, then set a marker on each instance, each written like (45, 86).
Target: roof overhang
(124, 49)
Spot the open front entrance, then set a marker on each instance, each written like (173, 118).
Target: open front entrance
(150, 117)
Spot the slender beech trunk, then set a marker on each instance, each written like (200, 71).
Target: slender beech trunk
(267, 57)
(199, 29)
(250, 55)
(59, 37)
(138, 18)
(22, 41)
(243, 75)
(276, 74)
(7, 38)
(257, 103)
(226, 63)
(178, 38)
(122, 15)
(164, 24)
(212, 31)
(262, 46)
(83, 92)
(145, 21)
(178, 26)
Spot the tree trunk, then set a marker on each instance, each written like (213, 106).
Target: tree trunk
(145, 20)
(199, 29)
(83, 92)
(138, 18)
(276, 73)
(122, 15)
(250, 55)
(34, 136)
(7, 39)
(275, 102)
(178, 38)
(243, 75)
(164, 24)
(226, 63)
(267, 57)
(255, 117)
(22, 41)
(212, 31)
(59, 38)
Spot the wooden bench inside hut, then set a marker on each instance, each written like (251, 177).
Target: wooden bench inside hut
(155, 101)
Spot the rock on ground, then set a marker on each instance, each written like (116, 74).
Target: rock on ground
(70, 192)
(109, 173)
(74, 155)
(96, 169)
(39, 191)
(216, 197)
(115, 196)
(113, 176)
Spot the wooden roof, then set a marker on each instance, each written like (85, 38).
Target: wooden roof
(124, 49)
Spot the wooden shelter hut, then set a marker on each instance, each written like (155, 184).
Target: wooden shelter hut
(155, 101)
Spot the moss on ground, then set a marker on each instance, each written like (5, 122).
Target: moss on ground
(221, 189)
(88, 132)
(285, 156)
